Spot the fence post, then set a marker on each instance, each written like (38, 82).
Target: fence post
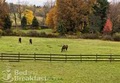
(65, 58)
(34, 57)
(110, 58)
(19, 57)
(1, 56)
(96, 57)
(80, 57)
(50, 57)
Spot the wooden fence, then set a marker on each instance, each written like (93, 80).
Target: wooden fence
(57, 57)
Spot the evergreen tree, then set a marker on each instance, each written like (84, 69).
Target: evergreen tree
(101, 10)
(61, 28)
(35, 23)
(7, 23)
(23, 22)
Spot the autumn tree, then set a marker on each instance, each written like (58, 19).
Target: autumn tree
(4, 10)
(29, 16)
(74, 13)
(45, 9)
(51, 18)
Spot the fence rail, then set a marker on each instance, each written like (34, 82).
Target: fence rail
(13, 57)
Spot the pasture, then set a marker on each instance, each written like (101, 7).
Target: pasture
(53, 46)
(61, 72)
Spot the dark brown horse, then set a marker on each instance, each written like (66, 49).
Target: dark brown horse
(30, 41)
(20, 40)
(64, 48)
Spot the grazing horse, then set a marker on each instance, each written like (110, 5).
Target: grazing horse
(64, 48)
(20, 40)
(30, 40)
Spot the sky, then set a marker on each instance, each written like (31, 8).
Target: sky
(32, 2)
(37, 2)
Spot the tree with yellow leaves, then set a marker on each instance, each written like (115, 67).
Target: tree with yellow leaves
(51, 18)
(29, 16)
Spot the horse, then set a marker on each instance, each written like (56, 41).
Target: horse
(30, 41)
(64, 48)
(20, 40)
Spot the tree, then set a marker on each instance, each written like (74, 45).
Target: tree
(51, 18)
(115, 16)
(23, 22)
(29, 16)
(101, 10)
(74, 13)
(4, 10)
(61, 28)
(7, 22)
(13, 10)
(45, 9)
(108, 27)
(35, 23)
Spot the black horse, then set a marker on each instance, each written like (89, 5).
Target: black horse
(30, 41)
(20, 40)
(64, 48)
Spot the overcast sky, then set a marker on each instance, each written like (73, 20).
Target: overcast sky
(36, 2)
(33, 2)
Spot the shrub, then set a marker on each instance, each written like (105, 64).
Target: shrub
(8, 32)
(17, 32)
(1, 32)
(42, 34)
(51, 36)
(116, 37)
(89, 36)
(107, 37)
(33, 34)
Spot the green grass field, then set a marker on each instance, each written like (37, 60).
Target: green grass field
(53, 46)
(61, 72)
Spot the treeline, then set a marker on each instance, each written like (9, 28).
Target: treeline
(86, 16)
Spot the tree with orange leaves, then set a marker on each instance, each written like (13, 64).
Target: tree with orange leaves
(108, 26)
(51, 18)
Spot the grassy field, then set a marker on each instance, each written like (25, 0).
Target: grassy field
(70, 72)
(61, 72)
(53, 46)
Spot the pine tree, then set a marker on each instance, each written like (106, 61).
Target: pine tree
(7, 23)
(23, 22)
(61, 29)
(35, 23)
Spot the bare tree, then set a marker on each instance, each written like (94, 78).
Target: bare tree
(13, 10)
(115, 15)
(46, 8)
(19, 10)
